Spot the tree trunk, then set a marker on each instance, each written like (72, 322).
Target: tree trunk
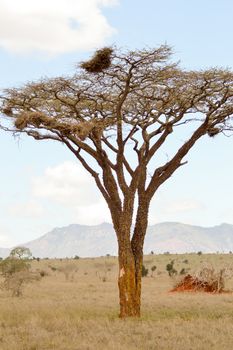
(134, 263)
(129, 282)
(130, 256)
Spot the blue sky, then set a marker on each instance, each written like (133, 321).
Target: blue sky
(41, 184)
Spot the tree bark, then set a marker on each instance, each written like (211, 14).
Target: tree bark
(130, 255)
(130, 271)
(129, 282)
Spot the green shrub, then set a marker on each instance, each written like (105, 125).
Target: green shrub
(21, 253)
(153, 268)
(144, 271)
(43, 273)
(10, 266)
(53, 268)
(16, 273)
(170, 268)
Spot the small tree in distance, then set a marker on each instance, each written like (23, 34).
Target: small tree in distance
(15, 270)
(153, 268)
(144, 271)
(116, 114)
(170, 268)
(20, 253)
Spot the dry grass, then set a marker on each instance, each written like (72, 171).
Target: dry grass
(82, 314)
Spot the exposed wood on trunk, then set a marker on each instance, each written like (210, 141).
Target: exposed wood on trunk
(128, 282)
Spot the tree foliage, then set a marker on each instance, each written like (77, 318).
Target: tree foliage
(16, 272)
(170, 268)
(20, 253)
(10, 266)
(133, 105)
(144, 271)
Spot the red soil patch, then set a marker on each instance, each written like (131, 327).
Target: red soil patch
(193, 284)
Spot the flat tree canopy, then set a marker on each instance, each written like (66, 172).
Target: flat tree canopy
(20, 253)
(115, 114)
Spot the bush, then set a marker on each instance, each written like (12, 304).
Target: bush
(153, 268)
(144, 271)
(170, 268)
(43, 273)
(21, 253)
(10, 266)
(53, 268)
(206, 280)
(68, 269)
(16, 273)
(212, 278)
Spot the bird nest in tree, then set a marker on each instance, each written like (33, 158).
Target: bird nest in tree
(81, 128)
(7, 111)
(213, 131)
(26, 118)
(100, 61)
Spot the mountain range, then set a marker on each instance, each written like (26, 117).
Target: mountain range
(99, 240)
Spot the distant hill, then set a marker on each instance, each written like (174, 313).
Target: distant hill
(81, 240)
(182, 238)
(99, 240)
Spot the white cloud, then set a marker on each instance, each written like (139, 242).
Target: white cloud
(186, 210)
(68, 184)
(30, 209)
(183, 205)
(94, 214)
(6, 239)
(74, 193)
(53, 26)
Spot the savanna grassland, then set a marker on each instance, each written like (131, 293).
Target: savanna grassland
(74, 306)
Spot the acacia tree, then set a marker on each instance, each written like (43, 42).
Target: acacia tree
(16, 272)
(20, 253)
(115, 114)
